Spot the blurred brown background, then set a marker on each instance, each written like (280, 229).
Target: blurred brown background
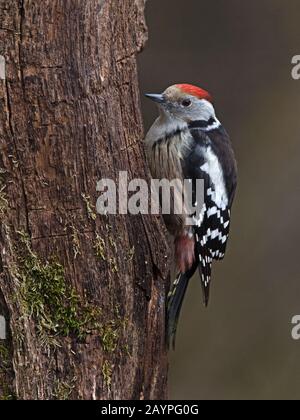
(241, 51)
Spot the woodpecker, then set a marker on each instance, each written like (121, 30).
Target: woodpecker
(188, 142)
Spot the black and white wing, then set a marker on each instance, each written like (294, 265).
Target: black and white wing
(211, 159)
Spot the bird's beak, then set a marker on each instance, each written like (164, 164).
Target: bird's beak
(155, 97)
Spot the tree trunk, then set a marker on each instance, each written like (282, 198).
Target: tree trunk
(83, 294)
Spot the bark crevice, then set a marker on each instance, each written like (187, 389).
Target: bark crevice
(21, 33)
(22, 182)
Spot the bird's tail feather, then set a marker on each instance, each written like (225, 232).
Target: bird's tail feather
(205, 284)
(205, 261)
(175, 299)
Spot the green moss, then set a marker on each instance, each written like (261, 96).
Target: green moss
(113, 265)
(110, 332)
(63, 389)
(5, 373)
(75, 241)
(89, 207)
(100, 250)
(55, 306)
(109, 335)
(107, 373)
(112, 243)
(99, 247)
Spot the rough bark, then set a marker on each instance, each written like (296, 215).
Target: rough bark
(83, 294)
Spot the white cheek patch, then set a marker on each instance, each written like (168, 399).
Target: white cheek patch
(2, 68)
(205, 111)
(213, 126)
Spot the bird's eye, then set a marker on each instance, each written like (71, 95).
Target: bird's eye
(186, 103)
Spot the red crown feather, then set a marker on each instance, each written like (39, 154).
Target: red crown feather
(195, 91)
